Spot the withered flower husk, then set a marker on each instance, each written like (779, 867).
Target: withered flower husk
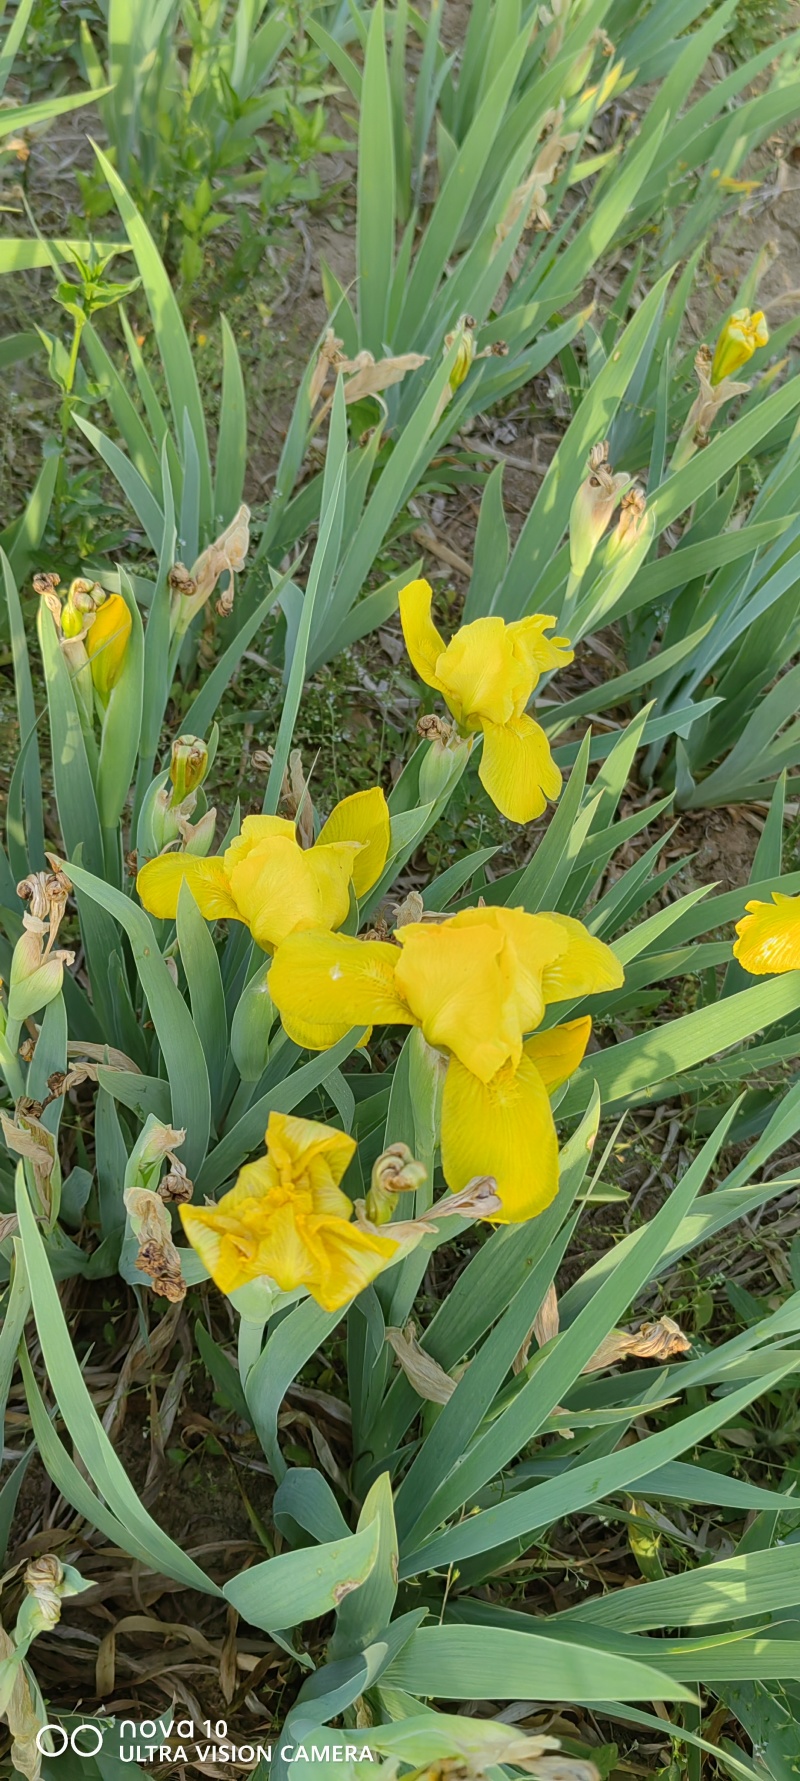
(25, 1136)
(434, 729)
(411, 909)
(175, 1187)
(712, 397)
(592, 507)
(21, 1718)
(157, 1256)
(661, 1340)
(429, 1380)
(394, 1172)
(43, 1578)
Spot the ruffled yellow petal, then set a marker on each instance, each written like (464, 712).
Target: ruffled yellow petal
(769, 936)
(558, 1052)
(206, 1240)
(422, 639)
(324, 984)
(160, 880)
(280, 889)
(460, 986)
(540, 654)
(256, 829)
(502, 1128)
(364, 817)
(586, 968)
(320, 1152)
(517, 769)
(287, 1220)
(480, 676)
(107, 641)
(350, 1258)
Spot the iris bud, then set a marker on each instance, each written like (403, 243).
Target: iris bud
(396, 1171)
(188, 766)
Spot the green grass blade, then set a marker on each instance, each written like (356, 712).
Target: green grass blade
(175, 1029)
(80, 1416)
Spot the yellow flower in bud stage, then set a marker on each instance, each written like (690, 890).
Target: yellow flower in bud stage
(769, 936)
(739, 338)
(106, 644)
(268, 881)
(486, 675)
(188, 766)
(475, 984)
(465, 356)
(288, 1219)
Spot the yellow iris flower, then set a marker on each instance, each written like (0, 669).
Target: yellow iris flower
(268, 881)
(106, 642)
(475, 984)
(288, 1219)
(769, 936)
(741, 334)
(486, 675)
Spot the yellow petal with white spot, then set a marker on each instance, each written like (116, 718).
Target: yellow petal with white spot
(458, 981)
(558, 1052)
(585, 968)
(517, 769)
(422, 639)
(159, 885)
(503, 1128)
(364, 818)
(769, 936)
(324, 984)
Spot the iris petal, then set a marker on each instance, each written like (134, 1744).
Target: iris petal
(558, 1052)
(159, 885)
(586, 966)
(459, 985)
(422, 639)
(503, 1128)
(769, 936)
(517, 769)
(324, 984)
(364, 817)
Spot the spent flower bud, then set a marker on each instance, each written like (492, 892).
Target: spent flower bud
(396, 1171)
(592, 508)
(188, 766)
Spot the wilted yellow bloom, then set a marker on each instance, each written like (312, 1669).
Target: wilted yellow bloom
(395, 1171)
(475, 984)
(486, 675)
(742, 334)
(106, 643)
(288, 1220)
(592, 508)
(268, 881)
(769, 936)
